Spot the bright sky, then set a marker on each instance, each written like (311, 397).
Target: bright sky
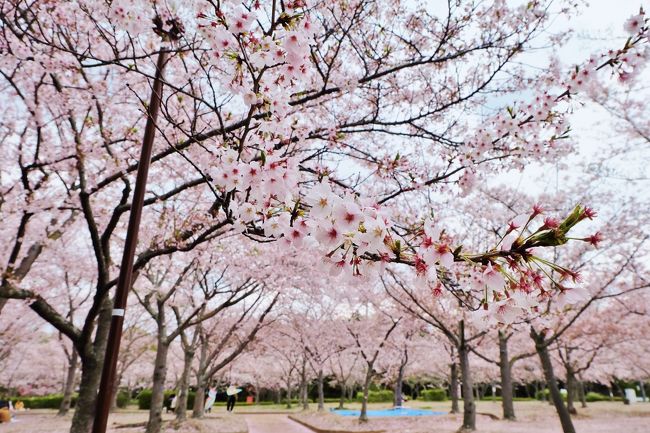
(598, 26)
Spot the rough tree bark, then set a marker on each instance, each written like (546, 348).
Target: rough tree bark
(453, 393)
(342, 398)
(583, 397)
(506, 378)
(68, 387)
(571, 392)
(363, 416)
(184, 385)
(189, 346)
(321, 393)
(91, 372)
(304, 388)
(398, 386)
(547, 366)
(199, 398)
(289, 393)
(158, 387)
(469, 407)
(400, 378)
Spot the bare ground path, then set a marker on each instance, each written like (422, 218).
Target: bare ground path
(279, 423)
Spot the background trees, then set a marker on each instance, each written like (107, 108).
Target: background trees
(345, 133)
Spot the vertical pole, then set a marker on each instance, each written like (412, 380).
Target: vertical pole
(126, 269)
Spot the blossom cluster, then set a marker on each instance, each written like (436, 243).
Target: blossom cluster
(266, 193)
(539, 128)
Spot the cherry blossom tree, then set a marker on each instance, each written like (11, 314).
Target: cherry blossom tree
(344, 366)
(505, 360)
(137, 343)
(371, 332)
(267, 109)
(289, 356)
(224, 337)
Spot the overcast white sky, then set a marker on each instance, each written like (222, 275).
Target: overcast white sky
(597, 27)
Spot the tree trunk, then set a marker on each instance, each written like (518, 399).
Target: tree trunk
(453, 393)
(199, 401)
(114, 391)
(321, 394)
(184, 386)
(288, 393)
(91, 372)
(571, 392)
(506, 378)
(398, 386)
(342, 399)
(304, 388)
(154, 424)
(469, 407)
(84, 414)
(69, 384)
(199, 398)
(583, 397)
(549, 375)
(363, 416)
(304, 395)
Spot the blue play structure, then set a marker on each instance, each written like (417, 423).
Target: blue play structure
(398, 411)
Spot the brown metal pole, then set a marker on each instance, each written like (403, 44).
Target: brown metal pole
(126, 269)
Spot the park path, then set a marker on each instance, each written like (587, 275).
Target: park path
(274, 424)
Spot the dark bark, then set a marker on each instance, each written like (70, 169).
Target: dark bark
(342, 398)
(400, 378)
(199, 402)
(321, 393)
(288, 393)
(398, 386)
(351, 392)
(304, 386)
(469, 406)
(184, 386)
(363, 416)
(506, 378)
(453, 393)
(583, 397)
(547, 366)
(199, 398)
(114, 392)
(571, 392)
(154, 424)
(68, 388)
(84, 414)
(91, 371)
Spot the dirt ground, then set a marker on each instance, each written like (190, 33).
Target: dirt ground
(533, 417)
(45, 421)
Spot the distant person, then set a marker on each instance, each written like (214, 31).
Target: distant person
(209, 402)
(174, 403)
(170, 403)
(232, 397)
(5, 414)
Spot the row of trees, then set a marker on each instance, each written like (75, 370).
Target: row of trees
(310, 336)
(297, 142)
